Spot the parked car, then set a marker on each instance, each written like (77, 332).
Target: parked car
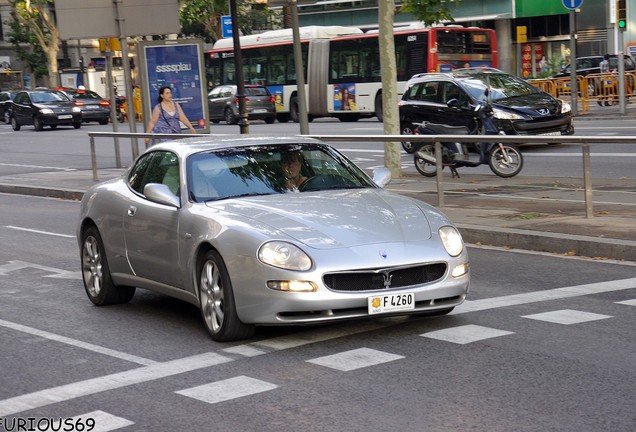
(223, 104)
(212, 222)
(518, 108)
(591, 65)
(6, 98)
(94, 107)
(44, 107)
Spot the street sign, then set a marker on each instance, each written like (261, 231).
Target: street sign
(226, 26)
(572, 4)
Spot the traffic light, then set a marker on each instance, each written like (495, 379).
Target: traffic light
(621, 14)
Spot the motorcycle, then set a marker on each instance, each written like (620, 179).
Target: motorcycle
(120, 108)
(505, 160)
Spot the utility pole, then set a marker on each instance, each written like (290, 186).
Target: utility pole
(244, 124)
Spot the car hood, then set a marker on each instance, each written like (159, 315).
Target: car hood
(54, 104)
(334, 219)
(533, 104)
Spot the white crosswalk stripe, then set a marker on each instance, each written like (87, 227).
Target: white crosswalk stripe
(466, 334)
(567, 316)
(228, 389)
(355, 359)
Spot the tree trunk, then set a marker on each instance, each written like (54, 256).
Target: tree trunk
(53, 78)
(392, 156)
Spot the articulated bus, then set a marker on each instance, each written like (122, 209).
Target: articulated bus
(342, 64)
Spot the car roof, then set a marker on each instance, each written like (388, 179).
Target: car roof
(456, 74)
(187, 146)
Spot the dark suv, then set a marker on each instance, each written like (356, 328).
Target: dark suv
(44, 108)
(449, 98)
(591, 65)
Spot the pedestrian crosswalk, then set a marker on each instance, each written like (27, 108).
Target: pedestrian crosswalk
(244, 386)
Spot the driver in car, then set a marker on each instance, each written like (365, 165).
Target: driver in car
(291, 163)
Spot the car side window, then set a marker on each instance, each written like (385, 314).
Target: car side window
(429, 92)
(156, 167)
(411, 93)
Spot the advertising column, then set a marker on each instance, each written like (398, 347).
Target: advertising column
(177, 64)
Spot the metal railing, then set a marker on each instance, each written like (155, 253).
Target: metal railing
(583, 141)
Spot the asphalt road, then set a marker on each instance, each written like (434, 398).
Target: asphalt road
(543, 343)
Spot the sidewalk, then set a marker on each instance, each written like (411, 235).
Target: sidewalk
(530, 213)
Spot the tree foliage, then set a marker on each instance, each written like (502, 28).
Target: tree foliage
(35, 18)
(202, 18)
(430, 11)
(27, 49)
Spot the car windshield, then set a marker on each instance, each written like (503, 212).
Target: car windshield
(84, 94)
(258, 170)
(502, 86)
(48, 97)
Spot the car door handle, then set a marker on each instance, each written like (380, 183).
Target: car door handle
(132, 210)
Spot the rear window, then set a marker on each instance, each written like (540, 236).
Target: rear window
(256, 91)
(85, 94)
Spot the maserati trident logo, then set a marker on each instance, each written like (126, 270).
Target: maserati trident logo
(543, 111)
(383, 254)
(387, 280)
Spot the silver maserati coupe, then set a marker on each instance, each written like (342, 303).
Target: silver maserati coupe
(267, 231)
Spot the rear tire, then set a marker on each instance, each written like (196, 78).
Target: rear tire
(424, 167)
(379, 113)
(216, 299)
(98, 283)
(229, 116)
(270, 120)
(103, 122)
(14, 124)
(77, 125)
(507, 162)
(407, 129)
(293, 110)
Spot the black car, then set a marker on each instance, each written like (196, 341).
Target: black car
(6, 98)
(44, 108)
(591, 65)
(223, 104)
(94, 107)
(449, 98)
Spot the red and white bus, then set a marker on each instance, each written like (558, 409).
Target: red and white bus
(342, 64)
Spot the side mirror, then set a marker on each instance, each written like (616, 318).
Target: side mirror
(161, 194)
(381, 176)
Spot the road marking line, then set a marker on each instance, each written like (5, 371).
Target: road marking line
(104, 422)
(77, 343)
(539, 296)
(355, 359)
(628, 302)
(466, 334)
(118, 380)
(228, 389)
(38, 231)
(38, 166)
(567, 316)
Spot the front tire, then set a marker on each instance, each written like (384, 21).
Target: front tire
(505, 160)
(423, 166)
(98, 283)
(216, 299)
(379, 113)
(77, 125)
(38, 124)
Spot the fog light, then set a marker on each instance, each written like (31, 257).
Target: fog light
(292, 286)
(460, 270)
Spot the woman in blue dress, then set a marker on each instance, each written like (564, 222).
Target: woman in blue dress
(167, 115)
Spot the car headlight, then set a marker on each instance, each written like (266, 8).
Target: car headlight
(77, 109)
(284, 255)
(46, 110)
(505, 115)
(565, 108)
(452, 240)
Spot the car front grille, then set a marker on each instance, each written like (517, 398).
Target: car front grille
(377, 279)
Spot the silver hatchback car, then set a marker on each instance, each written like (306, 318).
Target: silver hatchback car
(266, 230)
(223, 104)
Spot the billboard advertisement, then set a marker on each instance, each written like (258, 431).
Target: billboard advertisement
(179, 65)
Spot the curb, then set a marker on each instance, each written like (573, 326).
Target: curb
(558, 243)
